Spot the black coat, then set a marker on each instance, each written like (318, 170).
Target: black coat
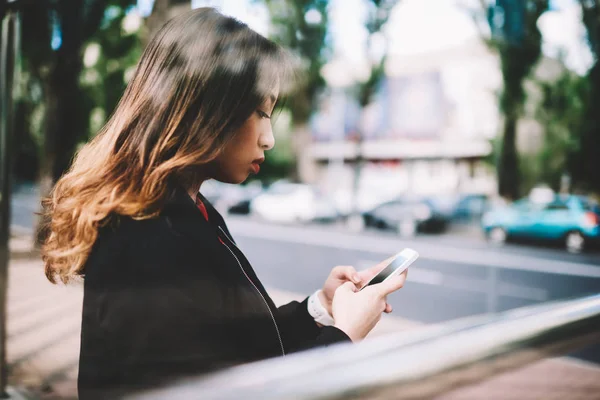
(165, 299)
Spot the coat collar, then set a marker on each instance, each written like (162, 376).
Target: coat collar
(184, 216)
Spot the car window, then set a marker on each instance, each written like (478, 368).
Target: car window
(523, 206)
(594, 208)
(590, 205)
(390, 209)
(557, 205)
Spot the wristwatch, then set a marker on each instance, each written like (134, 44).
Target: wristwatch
(317, 311)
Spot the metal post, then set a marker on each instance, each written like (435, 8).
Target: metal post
(9, 42)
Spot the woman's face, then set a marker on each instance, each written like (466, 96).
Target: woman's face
(246, 151)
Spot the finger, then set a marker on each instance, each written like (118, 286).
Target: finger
(388, 308)
(392, 284)
(346, 273)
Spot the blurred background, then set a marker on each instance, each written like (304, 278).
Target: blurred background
(465, 129)
(415, 116)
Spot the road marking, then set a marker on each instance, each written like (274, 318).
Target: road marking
(21, 230)
(431, 277)
(338, 240)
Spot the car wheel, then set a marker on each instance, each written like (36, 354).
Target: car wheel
(407, 228)
(574, 242)
(497, 236)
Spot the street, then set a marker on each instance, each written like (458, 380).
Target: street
(455, 277)
(447, 282)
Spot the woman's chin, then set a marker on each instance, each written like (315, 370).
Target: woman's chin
(235, 180)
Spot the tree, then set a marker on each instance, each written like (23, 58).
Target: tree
(561, 113)
(301, 26)
(118, 48)
(379, 13)
(585, 163)
(54, 36)
(517, 39)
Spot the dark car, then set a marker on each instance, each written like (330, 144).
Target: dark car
(409, 216)
(470, 207)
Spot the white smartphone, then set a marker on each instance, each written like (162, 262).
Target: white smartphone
(396, 266)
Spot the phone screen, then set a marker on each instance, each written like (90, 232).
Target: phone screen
(391, 267)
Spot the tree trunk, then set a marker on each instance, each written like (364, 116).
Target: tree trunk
(508, 168)
(64, 129)
(592, 138)
(585, 163)
(48, 154)
(303, 170)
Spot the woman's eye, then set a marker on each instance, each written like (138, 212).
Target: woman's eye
(263, 114)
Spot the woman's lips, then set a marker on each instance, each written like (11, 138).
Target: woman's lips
(256, 165)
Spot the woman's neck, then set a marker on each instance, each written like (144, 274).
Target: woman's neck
(194, 189)
(193, 192)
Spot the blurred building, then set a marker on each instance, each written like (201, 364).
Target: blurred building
(428, 130)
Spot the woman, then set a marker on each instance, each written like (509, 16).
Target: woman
(167, 294)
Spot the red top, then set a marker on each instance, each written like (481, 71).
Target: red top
(202, 209)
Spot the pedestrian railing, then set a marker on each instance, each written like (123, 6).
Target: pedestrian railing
(416, 364)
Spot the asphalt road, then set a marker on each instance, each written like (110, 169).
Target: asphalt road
(454, 277)
(448, 281)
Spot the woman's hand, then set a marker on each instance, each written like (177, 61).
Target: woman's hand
(338, 276)
(357, 313)
(342, 274)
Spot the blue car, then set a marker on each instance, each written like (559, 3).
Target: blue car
(575, 220)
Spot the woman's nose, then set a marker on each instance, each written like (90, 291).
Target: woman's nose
(267, 140)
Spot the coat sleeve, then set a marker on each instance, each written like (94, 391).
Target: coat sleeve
(300, 331)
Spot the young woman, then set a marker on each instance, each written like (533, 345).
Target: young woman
(167, 293)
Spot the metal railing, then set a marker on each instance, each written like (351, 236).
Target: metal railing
(412, 365)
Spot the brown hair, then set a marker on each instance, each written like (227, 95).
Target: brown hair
(199, 79)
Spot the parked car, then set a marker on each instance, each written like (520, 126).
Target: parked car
(470, 207)
(407, 216)
(575, 220)
(224, 196)
(240, 205)
(292, 202)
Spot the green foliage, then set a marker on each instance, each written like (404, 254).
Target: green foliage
(57, 102)
(378, 16)
(585, 163)
(307, 40)
(517, 60)
(561, 114)
(279, 163)
(119, 53)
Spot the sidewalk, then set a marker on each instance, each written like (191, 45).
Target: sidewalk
(44, 329)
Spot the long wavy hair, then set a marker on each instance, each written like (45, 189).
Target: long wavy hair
(199, 79)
